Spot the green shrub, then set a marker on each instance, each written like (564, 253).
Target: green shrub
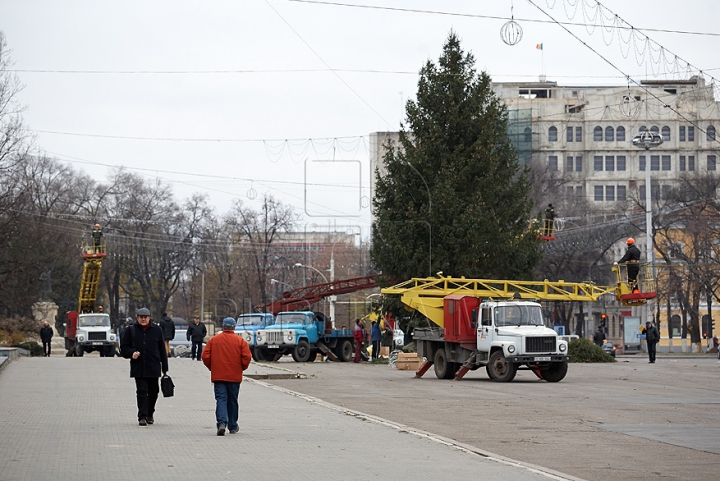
(584, 350)
(32, 346)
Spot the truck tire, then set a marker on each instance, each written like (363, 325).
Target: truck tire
(79, 350)
(443, 368)
(256, 355)
(500, 369)
(302, 351)
(556, 372)
(344, 351)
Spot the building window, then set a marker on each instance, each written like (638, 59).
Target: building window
(691, 133)
(620, 162)
(711, 162)
(654, 162)
(710, 133)
(691, 162)
(643, 128)
(569, 134)
(642, 162)
(609, 134)
(610, 193)
(528, 134)
(665, 192)
(597, 134)
(682, 163)
(578, 163)
(682, 133)
(621, 193)
(666, 133)
(553, 163)
(598, 193)
(578, 134)
(597, 163)
(552, 134)
(665, 162)
(569, 192)
(620, 134)
(569, 164)
(610, 162)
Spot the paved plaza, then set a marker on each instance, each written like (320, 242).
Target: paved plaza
(75, 418)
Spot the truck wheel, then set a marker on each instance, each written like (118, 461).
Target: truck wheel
(260, 355)
(500, 369)
(301, 353)
(443, 368)
(556, 372)
(256, 355)
(345, 351)
(79, 350)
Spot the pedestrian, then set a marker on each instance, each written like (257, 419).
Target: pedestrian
(142, 343)
(358, 338)
(97, 236)
(168, 328)
(226, 355)
(375, 338)
(549, 229)
(100, 309)
(46, 334)
(652, 337)
(196, 333)
(599, 336)
(632, 260)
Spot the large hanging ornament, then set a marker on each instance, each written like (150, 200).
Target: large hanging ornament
(629, 107)
(511, 33)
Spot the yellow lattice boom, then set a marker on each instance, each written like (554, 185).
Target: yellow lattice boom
(92, 266)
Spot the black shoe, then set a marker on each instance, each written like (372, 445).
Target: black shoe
(142, 422)
(235, 431)
(221, 430)
(150, 420)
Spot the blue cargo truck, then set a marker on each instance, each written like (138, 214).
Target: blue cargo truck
(247, 327)
(303, 334)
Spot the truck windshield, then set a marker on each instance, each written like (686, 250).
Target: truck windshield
(87, 321)
(250, 320)
(290, 317)
(520, 315)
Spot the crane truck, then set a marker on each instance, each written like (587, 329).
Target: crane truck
(85, 329)
(497, 324)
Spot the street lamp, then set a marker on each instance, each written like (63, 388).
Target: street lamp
(275, 281)
(299, 264)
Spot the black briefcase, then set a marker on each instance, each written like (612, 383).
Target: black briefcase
(167, 386)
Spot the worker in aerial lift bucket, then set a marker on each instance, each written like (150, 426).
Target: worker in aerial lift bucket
(632, 259)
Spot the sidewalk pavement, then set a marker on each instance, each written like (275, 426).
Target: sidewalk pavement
(75, 418)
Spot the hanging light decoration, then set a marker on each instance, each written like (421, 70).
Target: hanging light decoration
(511, 33)
(629, 107)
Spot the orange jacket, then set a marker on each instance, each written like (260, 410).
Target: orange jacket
(226, 355)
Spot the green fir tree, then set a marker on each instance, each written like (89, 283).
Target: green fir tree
(454, 198)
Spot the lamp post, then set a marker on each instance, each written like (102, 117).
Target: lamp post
(275, 281)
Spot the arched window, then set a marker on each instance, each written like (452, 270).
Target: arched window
(597, 134)
(675, 325)
(666, 133)
(710, 133)
(654, 129)
(609, 134)
(528, 134)
(643, 128)
(620, 134)
(552, 134)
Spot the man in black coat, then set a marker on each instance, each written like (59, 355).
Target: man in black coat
(632, 258)
(168, 328)
(652, 337)
(143, 344)
(196, 333)
(599, 337)
(46, 334)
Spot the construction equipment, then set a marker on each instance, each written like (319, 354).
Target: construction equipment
(85, 329)
(504, 332)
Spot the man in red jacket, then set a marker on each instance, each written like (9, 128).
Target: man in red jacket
(359, 340)
(226, 355)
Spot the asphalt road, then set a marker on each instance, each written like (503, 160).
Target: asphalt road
(625, 421)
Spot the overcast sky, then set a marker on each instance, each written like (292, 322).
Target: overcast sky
(204, 94)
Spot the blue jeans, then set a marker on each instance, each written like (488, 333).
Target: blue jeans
(226, 403)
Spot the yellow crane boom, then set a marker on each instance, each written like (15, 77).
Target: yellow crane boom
(92, 266)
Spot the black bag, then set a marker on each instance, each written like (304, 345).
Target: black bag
(167, 386)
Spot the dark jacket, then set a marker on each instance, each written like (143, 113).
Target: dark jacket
(375, 332)
(168, 328)
(652, 335)
(598, 338)
(150, 345)
(196, 332)
(46, 334)
(632, 255)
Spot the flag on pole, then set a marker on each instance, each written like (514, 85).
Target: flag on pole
(539, 46)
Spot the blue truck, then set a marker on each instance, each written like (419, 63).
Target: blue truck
(303, 334)
(247, 327)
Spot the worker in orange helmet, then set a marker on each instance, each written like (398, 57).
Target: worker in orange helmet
(97, 235)
(632, 259)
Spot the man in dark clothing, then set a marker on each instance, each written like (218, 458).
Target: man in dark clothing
(375, 338)
(599, 337)
(632, 258)
(97, 238)
(358, 338)
(46, 334)
(168, 328)
(196, 333)
(548, 229)
(142, 343)
(652, 337)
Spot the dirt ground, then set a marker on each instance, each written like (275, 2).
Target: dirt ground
(625, 421)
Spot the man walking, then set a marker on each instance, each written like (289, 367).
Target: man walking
(599, 337)
(652, 337)
(168, 329)
(375, 338)
(196, 333)
(46, 334)
(358, 338)
(226, 355)
(143, 344)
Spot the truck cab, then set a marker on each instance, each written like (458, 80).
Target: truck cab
(94, 333)
(249, 324)
(292, 333)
